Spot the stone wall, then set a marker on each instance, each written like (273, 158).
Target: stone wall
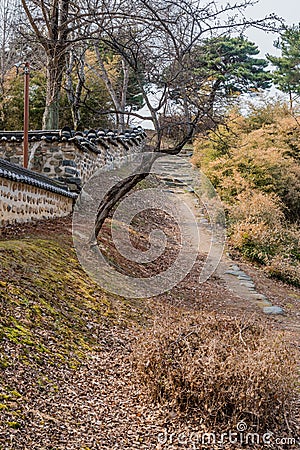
(68, 156)
(25, 197)
(60, 161)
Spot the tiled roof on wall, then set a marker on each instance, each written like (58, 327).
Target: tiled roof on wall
(87, 138)
(19, 174)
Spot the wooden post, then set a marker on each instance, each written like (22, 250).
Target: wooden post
(26, 114)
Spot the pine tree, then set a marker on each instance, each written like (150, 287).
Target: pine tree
(286, 75)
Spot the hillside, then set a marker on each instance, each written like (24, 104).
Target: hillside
(67, 376)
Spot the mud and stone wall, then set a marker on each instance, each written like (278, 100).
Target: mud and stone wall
(21, 202)
(60, 162)
(25, 197)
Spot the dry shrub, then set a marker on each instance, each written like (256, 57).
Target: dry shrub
(266, 111)
(285, 269)
(253, 167)
(259, 231)
(255, 241)
(257, 226)
(218, 142)
(217, 369)
(237, 159)
(276, 248)
(256, 207)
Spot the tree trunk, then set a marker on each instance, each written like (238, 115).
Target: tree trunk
(78, 92)
(120, 190)
(125, 70)
(54, 72)
(212, 98)
(74, 95)
(291, 103)
(109, 86)
(51, 116)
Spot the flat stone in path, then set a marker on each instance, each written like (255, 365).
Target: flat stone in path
(273, 310)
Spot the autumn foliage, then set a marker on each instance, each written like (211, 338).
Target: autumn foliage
(253, 161)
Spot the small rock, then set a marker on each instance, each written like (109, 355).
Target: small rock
(232, 272)
(263, 303)
(258, 296)
(248, 284)
(189, 189)
(245, 277)
(273, 310)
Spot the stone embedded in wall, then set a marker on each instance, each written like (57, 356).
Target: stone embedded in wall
(20, 202)
(27, 196)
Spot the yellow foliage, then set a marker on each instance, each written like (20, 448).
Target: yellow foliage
(257, 174)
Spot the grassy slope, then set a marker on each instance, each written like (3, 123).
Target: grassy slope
(51, 311)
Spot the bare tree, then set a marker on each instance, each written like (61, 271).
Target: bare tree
(149, 35)
(50, 23)
(76, 63)
(118, 96)
(58, 26)
(10, 54)
(158, 47)
(158, 43)
(155, 39)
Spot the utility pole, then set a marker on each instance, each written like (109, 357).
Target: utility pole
(26, 114)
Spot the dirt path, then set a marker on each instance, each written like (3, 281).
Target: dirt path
(250, 287)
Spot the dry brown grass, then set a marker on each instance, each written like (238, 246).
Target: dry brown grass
(218, 370)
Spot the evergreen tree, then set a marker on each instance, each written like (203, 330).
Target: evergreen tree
(286, 75)
(227, 67)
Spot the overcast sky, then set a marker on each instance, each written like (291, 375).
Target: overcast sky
(288, 9)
